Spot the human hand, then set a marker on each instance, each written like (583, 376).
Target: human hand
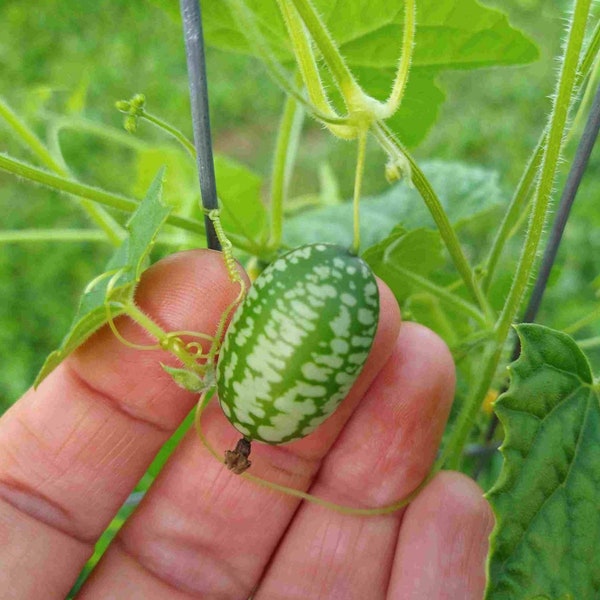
(72, 451)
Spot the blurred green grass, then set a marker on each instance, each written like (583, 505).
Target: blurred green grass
(76, 60)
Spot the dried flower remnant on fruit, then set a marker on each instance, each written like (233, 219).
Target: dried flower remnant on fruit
(237, 460)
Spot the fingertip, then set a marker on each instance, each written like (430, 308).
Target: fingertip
(443, 541)
(388, 307)
(186, 283)
(428, 347)
(455, 493)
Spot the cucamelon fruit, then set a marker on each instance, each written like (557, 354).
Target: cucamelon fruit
(297, 343)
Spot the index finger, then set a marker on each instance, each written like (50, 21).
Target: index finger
(71, 451)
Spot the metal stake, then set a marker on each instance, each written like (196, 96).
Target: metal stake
(196, 64)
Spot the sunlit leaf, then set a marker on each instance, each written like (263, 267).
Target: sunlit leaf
(450, 34)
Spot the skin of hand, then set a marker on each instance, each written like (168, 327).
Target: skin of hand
(72, 451)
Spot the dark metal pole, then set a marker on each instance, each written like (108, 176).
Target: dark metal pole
(196, 64)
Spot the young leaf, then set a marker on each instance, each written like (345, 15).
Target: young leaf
(547, 498)
(239, 192)
(418, 251)
(122, 274)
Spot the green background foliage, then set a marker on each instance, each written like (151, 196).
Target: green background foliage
(491, 119)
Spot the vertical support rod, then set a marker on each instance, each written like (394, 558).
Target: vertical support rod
(196, 64)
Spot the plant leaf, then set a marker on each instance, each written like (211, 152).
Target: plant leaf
(450, 34)
(455, 34)
(547, 498)
(124, 269)
(180, 185)
(418, 251)
(466, 192)
(242, 210)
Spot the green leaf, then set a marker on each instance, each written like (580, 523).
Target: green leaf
(180, 185)
(418, 251)
(466, 193)
(450, 34)
(547, 498)
(122, 274)
(242, 210)
(456, 34)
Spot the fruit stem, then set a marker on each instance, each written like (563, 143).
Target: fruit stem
(285, 153)
(360, 169)
(395, 149)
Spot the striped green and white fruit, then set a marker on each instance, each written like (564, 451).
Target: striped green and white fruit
(297, 343)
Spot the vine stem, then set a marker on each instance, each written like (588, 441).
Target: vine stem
(392, 104)
(514, 212)
(29, 139)
(551, 155)
(582, 156)
(117, 136)
(113, 231)
(583, 322)
(173, 131)
(589, 343)
(584, 150)
(170, 344)
(334, 60)
(52, 235)
(541, 202)
(246, 23)
(69, 235)
(112, 200)
(520, 198)
(305, 58)
(395, 149)
(285, 152)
